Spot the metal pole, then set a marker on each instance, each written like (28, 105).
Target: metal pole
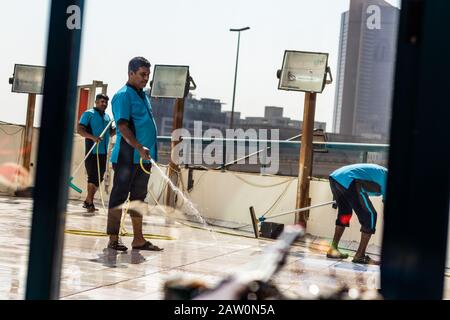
(235, 79)
(297, 210)
(235, 72)
(55, 150)
(306, 150)
(28, 138)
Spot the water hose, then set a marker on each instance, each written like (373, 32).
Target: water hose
(94, 233)
(143, 168)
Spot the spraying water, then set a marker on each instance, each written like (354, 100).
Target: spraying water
(187, 204)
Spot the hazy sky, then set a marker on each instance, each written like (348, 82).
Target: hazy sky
(194, 33)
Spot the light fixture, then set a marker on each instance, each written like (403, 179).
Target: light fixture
(304, 71)
(170, 81)
(28, 79)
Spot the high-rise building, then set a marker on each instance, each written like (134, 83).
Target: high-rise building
(365, 70)
(273, 112)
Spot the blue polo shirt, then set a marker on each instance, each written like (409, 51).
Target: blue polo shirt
(134, 106)
(362, 171)
(95, 121)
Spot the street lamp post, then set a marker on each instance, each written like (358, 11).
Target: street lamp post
(235, 71)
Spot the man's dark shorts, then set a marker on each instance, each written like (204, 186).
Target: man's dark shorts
(92, 168)
(355, 198)
(129, 179)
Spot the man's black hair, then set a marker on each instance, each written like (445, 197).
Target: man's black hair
(138, 62)
(101, 96)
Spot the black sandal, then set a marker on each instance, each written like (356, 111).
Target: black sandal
(148, 246)
(117, 245)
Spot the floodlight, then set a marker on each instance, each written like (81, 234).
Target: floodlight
(170, 81)
(303, 71)
(28, 79)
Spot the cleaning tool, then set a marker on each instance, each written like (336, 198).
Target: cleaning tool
(71, 184)
(262, 219)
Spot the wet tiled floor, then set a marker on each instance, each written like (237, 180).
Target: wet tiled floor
(91, 271)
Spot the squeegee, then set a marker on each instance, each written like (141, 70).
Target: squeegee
(262, 218)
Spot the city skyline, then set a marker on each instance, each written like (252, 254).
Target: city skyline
(206, 45)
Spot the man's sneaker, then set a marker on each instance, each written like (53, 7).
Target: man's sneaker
(117, 245)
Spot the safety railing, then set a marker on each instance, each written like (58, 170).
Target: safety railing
(363, 147)
(327, 156)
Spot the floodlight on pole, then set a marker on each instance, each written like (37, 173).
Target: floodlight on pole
(235, 71)
(28, 79)
(306, 72)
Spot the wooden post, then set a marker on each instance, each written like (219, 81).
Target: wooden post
(178, 113)
(28, 137)
(306, 151)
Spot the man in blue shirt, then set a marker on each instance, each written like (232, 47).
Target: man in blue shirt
(136, 139)
(91, 125)
(351, 187)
